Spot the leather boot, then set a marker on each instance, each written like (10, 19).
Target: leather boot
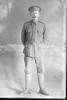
(41, 84)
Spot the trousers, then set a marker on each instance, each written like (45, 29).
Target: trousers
(29, 64)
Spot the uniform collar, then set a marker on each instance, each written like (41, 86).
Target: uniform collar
(34, 22)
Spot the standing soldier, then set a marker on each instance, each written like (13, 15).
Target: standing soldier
(33, 36)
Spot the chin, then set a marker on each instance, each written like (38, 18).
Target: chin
(35, 18)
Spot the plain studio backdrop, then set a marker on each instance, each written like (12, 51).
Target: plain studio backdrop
(13, 13)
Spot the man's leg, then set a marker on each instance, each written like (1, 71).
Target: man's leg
(27, 83)
(40, 72)
(28, 73)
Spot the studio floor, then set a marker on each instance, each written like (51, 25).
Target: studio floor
(12, 78)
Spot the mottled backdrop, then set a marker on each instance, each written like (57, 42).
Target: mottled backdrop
(13, 13)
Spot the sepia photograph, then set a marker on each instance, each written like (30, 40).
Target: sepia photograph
(33, 49)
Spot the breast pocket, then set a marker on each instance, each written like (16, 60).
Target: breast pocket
(29, 33)
(40, 35)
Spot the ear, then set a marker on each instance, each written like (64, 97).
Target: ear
(39, 13)
(30, 13)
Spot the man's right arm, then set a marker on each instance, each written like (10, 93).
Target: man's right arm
(23, 34)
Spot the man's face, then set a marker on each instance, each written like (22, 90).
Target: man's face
(35, 15)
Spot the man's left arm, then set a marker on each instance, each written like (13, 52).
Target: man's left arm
(42, 45)
(44, 30)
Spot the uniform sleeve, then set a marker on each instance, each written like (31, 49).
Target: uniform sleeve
(44, 30)
(22, 34)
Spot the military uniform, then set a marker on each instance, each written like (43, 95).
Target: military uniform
(33, 38)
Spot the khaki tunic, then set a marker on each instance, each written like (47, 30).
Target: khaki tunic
(33, 37)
